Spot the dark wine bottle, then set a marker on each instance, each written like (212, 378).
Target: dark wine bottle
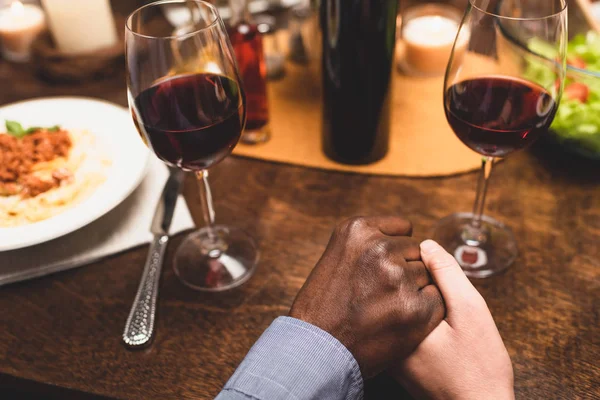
(359, 38)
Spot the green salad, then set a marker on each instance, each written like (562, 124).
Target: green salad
(578, 117)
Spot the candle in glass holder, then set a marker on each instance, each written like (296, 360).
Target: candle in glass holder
(428, 34)
(82, 26)
(19, 25)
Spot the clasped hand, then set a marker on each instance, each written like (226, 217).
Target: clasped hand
(406, 307)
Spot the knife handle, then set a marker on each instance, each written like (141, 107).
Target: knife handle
(139, 328)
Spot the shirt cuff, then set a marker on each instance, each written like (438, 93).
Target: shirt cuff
(296, 360)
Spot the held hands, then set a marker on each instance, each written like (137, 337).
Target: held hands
(372, 292)
(464, 357)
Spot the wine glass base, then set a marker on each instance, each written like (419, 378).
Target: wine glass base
(480, 252)
(218, 262)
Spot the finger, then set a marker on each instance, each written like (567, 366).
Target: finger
(431, 297)
(418, 275)
(403, 248)
(447, 274)
(391, 225)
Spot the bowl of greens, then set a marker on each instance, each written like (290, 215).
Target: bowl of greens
(576, 126)
(577, 122)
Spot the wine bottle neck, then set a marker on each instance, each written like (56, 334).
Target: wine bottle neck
(240, 11)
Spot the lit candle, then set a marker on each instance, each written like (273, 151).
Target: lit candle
(428, 38)
(19, 25)
(595, 9)
(82, 26)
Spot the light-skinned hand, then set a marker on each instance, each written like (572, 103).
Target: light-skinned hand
(464, 357)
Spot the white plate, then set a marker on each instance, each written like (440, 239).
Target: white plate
(114, 130)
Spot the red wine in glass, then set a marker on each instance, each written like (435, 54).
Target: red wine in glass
(496, 116)
(191, 121)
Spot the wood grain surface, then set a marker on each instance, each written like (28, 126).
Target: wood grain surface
(60, 335)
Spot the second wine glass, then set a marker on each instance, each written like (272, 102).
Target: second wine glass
(499, 97)
(188, 105)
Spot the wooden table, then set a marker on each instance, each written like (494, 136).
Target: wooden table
(60, 335)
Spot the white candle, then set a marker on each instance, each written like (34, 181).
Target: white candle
(595, 8)
(428, 41)
(19, 25)
(81, 26)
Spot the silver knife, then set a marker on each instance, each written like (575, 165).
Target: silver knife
(139, 328)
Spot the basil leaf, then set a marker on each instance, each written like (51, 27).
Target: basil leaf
(33, 129)
(15, 129)
(54, 128)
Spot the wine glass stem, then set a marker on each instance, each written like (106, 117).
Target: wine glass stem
(214, 245)
(474, 235)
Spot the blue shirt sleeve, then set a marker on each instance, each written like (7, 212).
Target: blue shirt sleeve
(297, 361)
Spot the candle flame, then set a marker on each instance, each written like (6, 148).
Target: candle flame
(16, 8)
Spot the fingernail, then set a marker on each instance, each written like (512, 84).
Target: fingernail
(429, 246)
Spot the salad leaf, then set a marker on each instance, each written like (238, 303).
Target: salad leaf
(579, 122)
(538, 68)
(586, 47)
(544, 49)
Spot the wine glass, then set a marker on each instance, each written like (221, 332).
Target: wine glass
(188, 105)
(500, 95)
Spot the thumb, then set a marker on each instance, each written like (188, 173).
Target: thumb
(455, 287)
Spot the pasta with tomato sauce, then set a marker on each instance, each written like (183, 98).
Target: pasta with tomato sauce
(47, 172)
